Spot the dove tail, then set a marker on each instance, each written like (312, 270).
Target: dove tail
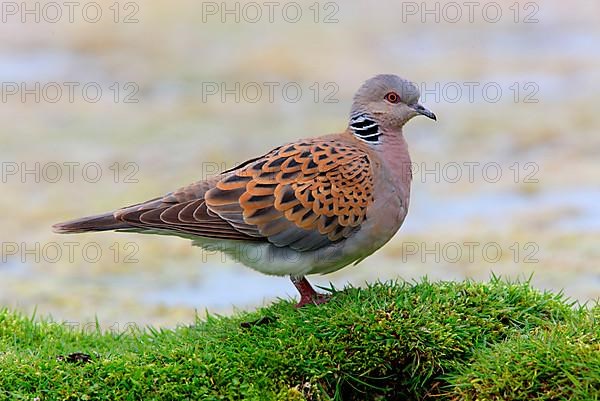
(100, 222)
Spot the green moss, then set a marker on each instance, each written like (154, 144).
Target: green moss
(389, 341)
(554, 362)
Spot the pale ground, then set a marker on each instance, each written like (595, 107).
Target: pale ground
(542, 213)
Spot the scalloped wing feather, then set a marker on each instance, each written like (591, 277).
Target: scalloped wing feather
(303, 195)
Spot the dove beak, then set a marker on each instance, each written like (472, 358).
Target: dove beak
(419, 108)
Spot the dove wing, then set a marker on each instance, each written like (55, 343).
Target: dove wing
(304, 195)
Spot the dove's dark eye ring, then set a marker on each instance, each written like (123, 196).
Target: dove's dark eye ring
(392, 97)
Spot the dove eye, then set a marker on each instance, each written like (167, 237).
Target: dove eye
(392, 97)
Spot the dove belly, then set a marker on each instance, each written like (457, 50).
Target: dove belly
(282, 261)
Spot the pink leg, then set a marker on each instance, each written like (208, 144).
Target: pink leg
(307, 294)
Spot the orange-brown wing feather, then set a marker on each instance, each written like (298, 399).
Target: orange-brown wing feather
(303, 195)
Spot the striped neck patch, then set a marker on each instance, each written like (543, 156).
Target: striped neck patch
(365, 128)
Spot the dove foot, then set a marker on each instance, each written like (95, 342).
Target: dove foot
(308, 295)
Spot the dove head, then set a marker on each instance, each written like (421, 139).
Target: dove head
(384, 103)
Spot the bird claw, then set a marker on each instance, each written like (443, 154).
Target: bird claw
(308, 295)
(315, 299)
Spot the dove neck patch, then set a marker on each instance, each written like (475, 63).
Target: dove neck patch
(365, 128)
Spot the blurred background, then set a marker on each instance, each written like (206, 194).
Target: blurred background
(105, 104)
